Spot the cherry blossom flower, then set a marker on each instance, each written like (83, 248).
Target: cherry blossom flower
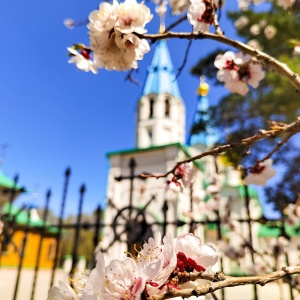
(173, 186)
(254, 44)
(111, 28)
(200, 14)
(193, 255)
(82, 60)
(156, 262)
(185, 174)
(255, 29)
(270, 31)
(179, 6)
(105, 18)
(69, 23)
(63, 292)
(237, 71)
(161, 7)
(119, 280)
(241, 22)
(285, 3)
(260, 173)
(133, 17)
(296, 50)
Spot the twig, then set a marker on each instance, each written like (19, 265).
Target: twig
(290, 130)
(265, 59)
(276, 148)
(185, 59)
(222, 281)
(180, 20)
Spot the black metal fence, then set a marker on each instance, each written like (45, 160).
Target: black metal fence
(135, 228)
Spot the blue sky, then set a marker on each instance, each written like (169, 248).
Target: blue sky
(54, 116)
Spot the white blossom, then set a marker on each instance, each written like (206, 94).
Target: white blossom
(133, 17)
(188, 174)
(255, 29)
(179, 6)
(191, 246)
(111, 34)
(69, 23)
(82, 60)
(200, 14)
(285, 3)
(254, 44)
(63, 292)
(156, 262)
(119, 280)
(241, 22)
(105, 18)
(296, 51)
(173, 186)
(237, 72)
(260, 173)
(270, 31)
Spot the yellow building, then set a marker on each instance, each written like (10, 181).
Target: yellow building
(23, 228)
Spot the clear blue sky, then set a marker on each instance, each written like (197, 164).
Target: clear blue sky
(54, 116)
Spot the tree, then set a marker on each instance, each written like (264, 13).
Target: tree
(273, 30)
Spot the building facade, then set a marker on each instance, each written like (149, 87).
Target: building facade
(217, 191)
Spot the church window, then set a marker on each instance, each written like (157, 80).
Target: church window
(167, 107)
(151, 108)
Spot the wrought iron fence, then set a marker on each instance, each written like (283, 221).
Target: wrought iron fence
(129, 226)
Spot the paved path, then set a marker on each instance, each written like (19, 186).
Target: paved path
(8, 280)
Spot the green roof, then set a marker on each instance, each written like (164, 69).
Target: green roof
(21, 218)
(275, 231)
(184, 148)
(8, 183)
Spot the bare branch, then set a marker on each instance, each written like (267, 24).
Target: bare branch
(221, 281)
(266, 60)
(289, 130)
(184, 60)
(180, 20)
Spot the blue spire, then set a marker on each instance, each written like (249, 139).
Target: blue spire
(202, 131)
(161, 75)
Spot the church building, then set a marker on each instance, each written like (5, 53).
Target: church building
(139, 206)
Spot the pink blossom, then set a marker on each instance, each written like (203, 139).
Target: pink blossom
(260, 173)
(63, 292)
(156, 262)
(202, 255)
(173, 186)
(82, 60)
(237, 72)
(200, 14)
(133, 17)
(119, 280)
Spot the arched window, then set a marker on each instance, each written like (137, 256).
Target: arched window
(167, 107)
(151, 108)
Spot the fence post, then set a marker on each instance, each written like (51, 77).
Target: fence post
(60, 221)
(42, 233)
(22, 255)
(76, 235)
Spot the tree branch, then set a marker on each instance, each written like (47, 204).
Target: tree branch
(222, 281)
(290, 130)
(266, 60)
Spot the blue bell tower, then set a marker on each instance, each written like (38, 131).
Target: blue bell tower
(161, 111)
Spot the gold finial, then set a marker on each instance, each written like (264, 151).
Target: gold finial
(161, 9)
(203, 88)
